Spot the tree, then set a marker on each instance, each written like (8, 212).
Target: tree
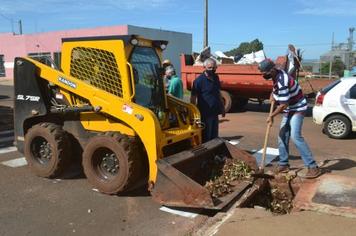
(338, 67)
(245, 48)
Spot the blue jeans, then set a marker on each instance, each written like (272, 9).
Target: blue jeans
(291, 127)
(211, 129)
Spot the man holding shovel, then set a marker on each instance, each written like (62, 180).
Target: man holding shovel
(293, 105)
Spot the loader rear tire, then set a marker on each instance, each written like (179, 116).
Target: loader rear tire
(46, 149)
(112, 162)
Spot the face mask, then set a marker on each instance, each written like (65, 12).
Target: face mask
(211, 72)
(267, 76)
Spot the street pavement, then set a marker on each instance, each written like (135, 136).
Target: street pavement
(69, 206)
(32, 205)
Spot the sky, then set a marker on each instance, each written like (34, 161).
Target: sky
(308, 24)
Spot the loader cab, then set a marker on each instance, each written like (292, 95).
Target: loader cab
(148, 75)
(126, 66)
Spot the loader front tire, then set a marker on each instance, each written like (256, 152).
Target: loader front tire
(46, 150)
(111, 162)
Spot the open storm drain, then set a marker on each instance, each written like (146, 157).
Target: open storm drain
(277, 195)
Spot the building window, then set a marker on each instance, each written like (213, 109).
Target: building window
(43, 57)
(2, 66)
(57, 59)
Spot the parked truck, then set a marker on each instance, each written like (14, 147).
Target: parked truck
(239, 83)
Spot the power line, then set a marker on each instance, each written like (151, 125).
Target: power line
(9, 19)
(5, 17)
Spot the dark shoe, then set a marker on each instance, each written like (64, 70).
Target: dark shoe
(283, 169)
(313, 173)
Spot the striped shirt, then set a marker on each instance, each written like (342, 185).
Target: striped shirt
(287, 91)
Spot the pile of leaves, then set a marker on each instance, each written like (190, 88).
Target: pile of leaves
(274, 198)
(223, 179)
(281, 202)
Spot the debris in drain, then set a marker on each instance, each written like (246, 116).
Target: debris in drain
(277, 197)
(281, 203)
(225, 174)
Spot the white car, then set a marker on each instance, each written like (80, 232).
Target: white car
(335, 108)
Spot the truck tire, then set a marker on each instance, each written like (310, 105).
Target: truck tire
(227, 100)
(337, 126)
(111, 162)
(239, 103)
(47, 149)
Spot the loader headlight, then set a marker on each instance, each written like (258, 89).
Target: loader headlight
(163, 46)
(134, 41)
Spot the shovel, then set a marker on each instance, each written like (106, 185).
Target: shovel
(260, 173)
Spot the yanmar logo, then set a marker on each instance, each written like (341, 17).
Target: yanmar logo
(67, 82)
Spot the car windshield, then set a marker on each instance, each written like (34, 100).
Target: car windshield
(148, 85)
(330, 86)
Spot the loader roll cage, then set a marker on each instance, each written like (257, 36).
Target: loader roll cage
(148, 82)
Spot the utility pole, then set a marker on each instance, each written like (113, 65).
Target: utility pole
(331, 56)
(351, 38)
(20, 27)
(350, 47)
(206, 25)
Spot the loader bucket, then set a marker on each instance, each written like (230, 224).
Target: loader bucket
(181, 177)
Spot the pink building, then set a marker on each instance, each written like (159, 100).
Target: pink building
(49, 44)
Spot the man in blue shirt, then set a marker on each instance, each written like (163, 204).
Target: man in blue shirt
(206, 95)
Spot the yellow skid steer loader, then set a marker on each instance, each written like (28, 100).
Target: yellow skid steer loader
(107, 104)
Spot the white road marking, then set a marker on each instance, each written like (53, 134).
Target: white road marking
(15, 162)
(180, 213)
(234, 142)
(271, 154)
(8, 149)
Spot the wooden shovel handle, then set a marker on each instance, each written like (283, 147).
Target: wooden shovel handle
(266, 139)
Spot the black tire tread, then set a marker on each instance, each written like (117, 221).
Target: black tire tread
(131, 149)
(62, 144)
